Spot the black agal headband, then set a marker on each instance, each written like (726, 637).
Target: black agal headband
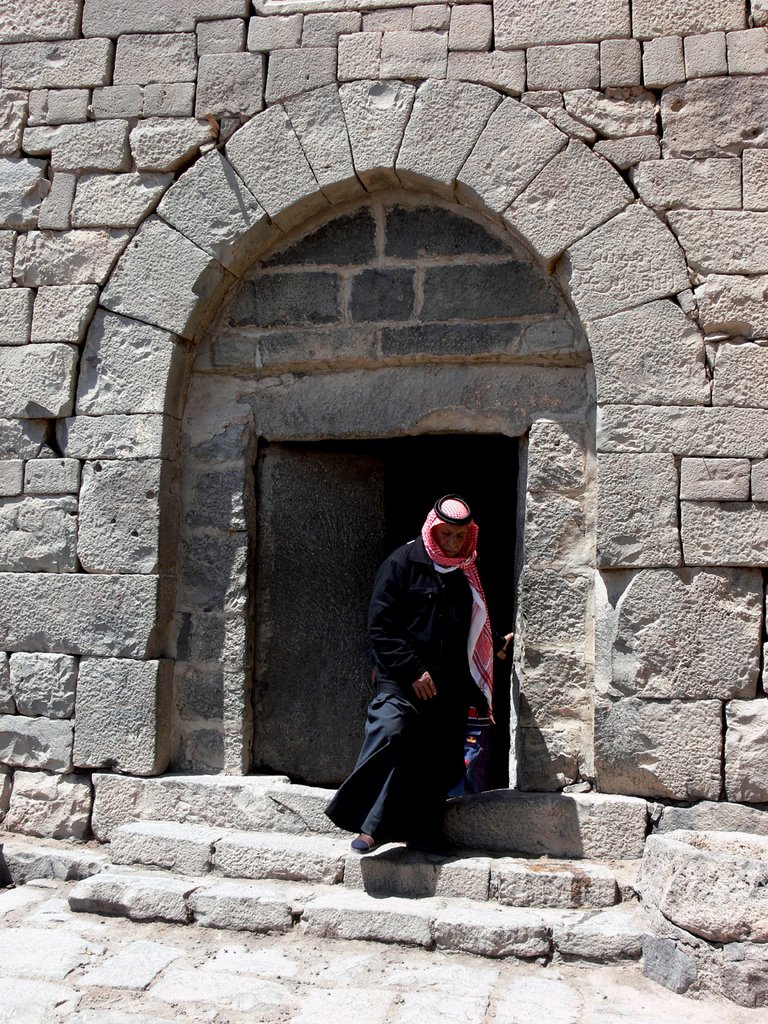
(446, 517)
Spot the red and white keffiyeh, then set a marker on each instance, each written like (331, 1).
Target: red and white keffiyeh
(480, 640)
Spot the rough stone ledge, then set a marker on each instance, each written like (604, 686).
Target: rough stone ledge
(22, 860)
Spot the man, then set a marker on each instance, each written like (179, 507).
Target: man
(433, 652)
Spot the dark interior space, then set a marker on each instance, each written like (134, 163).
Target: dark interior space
(328, 513)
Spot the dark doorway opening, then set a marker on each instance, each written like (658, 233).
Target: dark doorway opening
(328, 513)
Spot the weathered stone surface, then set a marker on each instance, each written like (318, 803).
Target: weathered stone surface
(292, 858)
(23, 439)
(318, 120)
(37, 743)
(123, 715)
(471, 28)
(557, 21)
(712, 884)
(625, 153)
(499, 69)
(359, 56)
(656, 18)
(5, 789)
(522, 883)
(50, 806)
(599, 938)
(6, 697)
(116, 437)
(720, 432)
(734, 305)
(11, 477)
(163, 144)
(37, 381)
(304, 298)
(22, 187)
(620, 63)
(96, 146)
(134, 967)
(144, 362)
(78, 614)
(725, 533)
(185, 849)
(384, 294)
(723, 242)
(44, 684)
(741, 375)
(555, 686)
(652, 265)
(652, 354)
(553, 604)
(61, 314)
(705, 55)
(268, 157)
(117, 201)
(667, 749)
(746, 772)
(75, 63)
(146, 896)
(13, 116)
(348, 914)
(67, 257)
(275, 33)
(38, 534)
(376, 114)
(191, 280)
(445, 123)
(715, 817)
(584, 825)
(760, 480)
(714, 479)
(556, 455)
(212, 207)
(169, 99)
(573, 194)
(119, 516)
(15, 315)
(514, 146)
(555, 531)
(224, 36)
(398, 871)
(56, 207)
(697, 117)
(637, 519)
(492, 931)
(230, 85)
(616, 114)
(686, 634)
(37, 19)
(755, 171)
(295, 71)
(246, 906)
(144, 58)
(693, 184)
(663, 62)
(551, 756)
(114, 17)
(414, 54)
(563, 67)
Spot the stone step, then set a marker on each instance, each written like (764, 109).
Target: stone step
(597, 936)
(392, 870)
(592, 826)
(23, 859)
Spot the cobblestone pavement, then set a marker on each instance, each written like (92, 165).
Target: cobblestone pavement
(58, 967)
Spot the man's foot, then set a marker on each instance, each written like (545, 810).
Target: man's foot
(363, 843)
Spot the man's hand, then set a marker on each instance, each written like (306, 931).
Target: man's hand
(503, 652)
(424, 687)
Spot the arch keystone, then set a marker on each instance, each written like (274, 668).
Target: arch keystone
(376, 114)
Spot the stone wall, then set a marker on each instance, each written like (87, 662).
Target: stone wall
(149, 154)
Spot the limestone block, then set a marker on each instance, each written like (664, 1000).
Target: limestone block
(554, 687)
(398, 871)
(7, 707)
(38, 534)
(5, 791)
(355, 915)
(686, 17)
(52, 476)
(620, 63)
(15, 315)
(734, 305)
(719, 432)
(714, 479)
(224, 36)
(43, 684)
(117, 101)
(144, 58)
(600, 938)
(272, 855)
(37, 743)
(163, 144)
(211, 207)
(123, 715)
(117, 200)
(169, 99)
(520, 883)
(295, 71)
(37, 380)
(115, 17)
(550, 756)
(499, 69)
(191, 279)
(746, 772)
(705, 55)
(37, 19)
(115, 437)
(555, 531)
(652, 265)
(558, 21)
(70, 64)
(13, 116)
(376, 114)
(183, 849)
(23, 439)
(492, 931)
(244, 906)
(637, 511)
(715, 816)
(445, 123)
(11, 477)
(268, 157)
(760, 12)
(50, 806)
(230, 85)
(723, 241)
(755, 164)
(712, 884)
(741, 375)
(760, 480)
(553, 606)
(471, 27)
(693, 184)
(318, 120)
(697, 117)
(22, 187)
(724, 533)
(748, 52)
(61, 314)
(67, 257)
(687, 634)
(434, 16)
(666, 749)
(359, 56)
(514, 146)
(564, 67)
(139, 896)
(625, 153)
(663, 62)
(414, 55)
(97, 146)
(573, 194)
(55, 209)
(556, 456)
(397, 20)
(282, 32)
(67, 106)
(653, 354)
(616, 114)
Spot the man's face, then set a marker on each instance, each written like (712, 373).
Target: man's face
(450, 538)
